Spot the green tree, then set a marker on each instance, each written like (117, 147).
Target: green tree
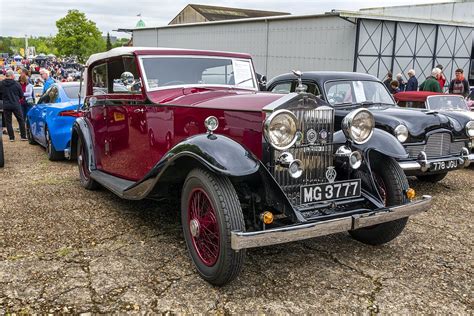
(108, 43)
(78, 36)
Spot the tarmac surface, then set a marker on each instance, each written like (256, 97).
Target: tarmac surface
(65, 249)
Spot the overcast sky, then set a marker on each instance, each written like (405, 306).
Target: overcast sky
(37, 17)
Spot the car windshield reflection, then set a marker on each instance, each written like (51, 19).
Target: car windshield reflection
(161, 72)
(447, 102)
(367, 93)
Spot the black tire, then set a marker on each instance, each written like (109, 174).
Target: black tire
(31, 140)
(389, 172)
(2, 158)
(52, 153)
(228, 214)
(433, 178)
(83, 163)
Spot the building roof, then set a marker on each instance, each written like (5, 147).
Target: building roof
(362, 14)
(215, 13)
(129, 50)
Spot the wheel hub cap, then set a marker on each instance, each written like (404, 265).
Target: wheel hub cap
(194, 227)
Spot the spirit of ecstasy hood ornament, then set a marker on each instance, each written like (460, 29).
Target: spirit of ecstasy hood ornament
(299, 88)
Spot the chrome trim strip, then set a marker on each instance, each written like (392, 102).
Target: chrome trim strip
(244, 240)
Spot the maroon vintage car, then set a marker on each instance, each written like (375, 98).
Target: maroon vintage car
(247, 169)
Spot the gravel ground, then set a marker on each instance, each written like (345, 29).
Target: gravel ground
(65, 249)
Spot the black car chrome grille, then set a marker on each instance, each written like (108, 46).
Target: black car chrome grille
(437, 145)
(316, 155)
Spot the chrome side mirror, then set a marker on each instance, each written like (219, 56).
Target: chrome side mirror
(127, 78)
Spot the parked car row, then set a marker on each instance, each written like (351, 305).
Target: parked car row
(319, 153)
(437, 140)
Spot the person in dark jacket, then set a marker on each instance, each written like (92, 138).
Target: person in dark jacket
(4, 129)
(388, 81)
(11, 94)
(459, 85)
(394, 87)
(412, 83)
(431, 83)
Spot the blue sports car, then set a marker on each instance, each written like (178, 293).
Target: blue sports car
(50, 121)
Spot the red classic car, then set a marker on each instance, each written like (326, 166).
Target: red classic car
(247, 168)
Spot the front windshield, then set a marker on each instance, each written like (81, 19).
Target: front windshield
(352, 92)
(173, 71)
(447, 102)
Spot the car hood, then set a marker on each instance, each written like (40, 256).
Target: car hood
(214, 98)
(418, 121)
(462, 117)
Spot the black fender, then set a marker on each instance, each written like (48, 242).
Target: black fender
(81, 129)
(219, 154)
(381, 141)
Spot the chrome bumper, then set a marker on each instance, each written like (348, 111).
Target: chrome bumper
(424, 164)
(243, 240)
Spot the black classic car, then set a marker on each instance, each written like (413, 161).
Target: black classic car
(434, 143)
(247, 169)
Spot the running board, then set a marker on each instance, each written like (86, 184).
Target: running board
(115, 184)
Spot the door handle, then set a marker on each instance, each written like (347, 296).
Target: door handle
(139, 111)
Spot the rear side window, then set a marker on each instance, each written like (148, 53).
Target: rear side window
(99, 79)
(282, 88)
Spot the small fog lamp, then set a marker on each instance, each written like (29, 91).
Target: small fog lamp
(267, 217)
(411, 194)
(211, 123)
(295, 169)
(355, 159)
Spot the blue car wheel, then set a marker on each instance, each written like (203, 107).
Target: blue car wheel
(53, 154)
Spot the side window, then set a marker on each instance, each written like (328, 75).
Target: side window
(54, 95)
(45, 97)
(282, 88)
(123, 76)
(99, 79)
(311, 88)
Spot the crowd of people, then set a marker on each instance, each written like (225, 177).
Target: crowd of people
(18, 78)
(435, 82)
(17, 97)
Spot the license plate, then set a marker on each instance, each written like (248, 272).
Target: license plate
(443, 165)
(330, 191)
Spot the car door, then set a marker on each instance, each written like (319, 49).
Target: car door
(95, 110)
(127, 147)
(38, 124)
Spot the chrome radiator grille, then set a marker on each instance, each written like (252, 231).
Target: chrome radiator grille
(316, 156)
(438, 145)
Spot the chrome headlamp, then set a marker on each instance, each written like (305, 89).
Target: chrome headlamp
(280, 129)
(470, 129)
(401, 132)
(358, 125)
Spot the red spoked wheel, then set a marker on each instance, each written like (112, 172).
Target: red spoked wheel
(203, 227)
(210, 211)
